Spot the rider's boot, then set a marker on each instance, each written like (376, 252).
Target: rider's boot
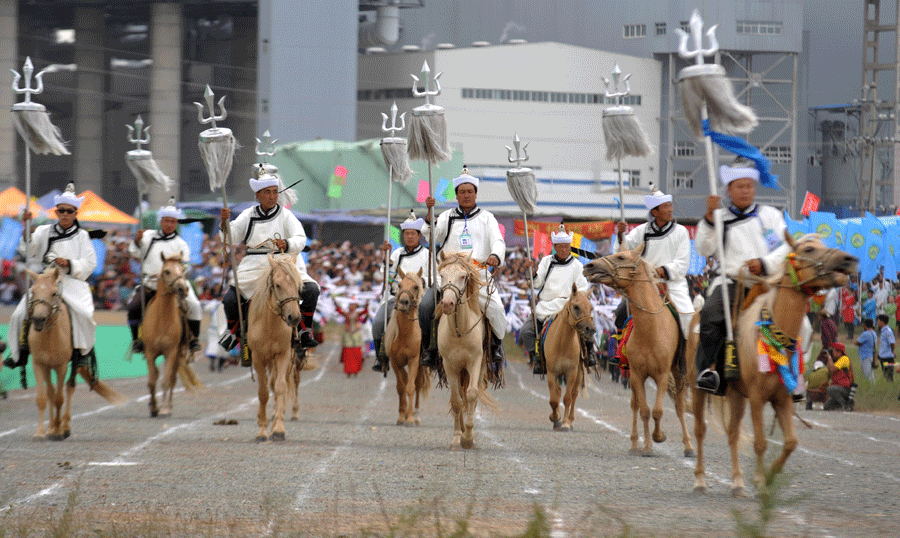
(430, 356)
(23, 348)
(590, 357)
(497, 356)
(194, 326)
(306, 336)
(382, 364)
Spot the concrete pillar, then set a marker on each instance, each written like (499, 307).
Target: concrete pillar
(9, 47)
(90, 58)
(165, 96)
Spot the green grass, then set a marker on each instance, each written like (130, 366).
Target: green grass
(878, 396)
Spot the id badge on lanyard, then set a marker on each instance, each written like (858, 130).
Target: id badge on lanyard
(465, 238)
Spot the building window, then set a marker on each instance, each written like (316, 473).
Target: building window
(684, 149)
(634, 178)
(632, 100)
(685, 27)
(759, 27)
(660, 28)
(632, 31)
(778, 154)
(682, 181)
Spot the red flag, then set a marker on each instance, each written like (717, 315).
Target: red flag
(542, 245)
(810, 204)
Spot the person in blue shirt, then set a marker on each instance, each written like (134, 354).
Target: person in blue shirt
(886, 347)
(868, 305)
(866, 343)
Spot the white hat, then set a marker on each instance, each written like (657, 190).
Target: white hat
(561, 236)
(465, 178)
(169, 210)
(656, 199)
(68, 197)
(264, 181)
(412, 223)
(729, 173)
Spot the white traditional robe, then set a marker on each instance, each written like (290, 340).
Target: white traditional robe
(49, 242)
(252, 227)
(757, 232)
(554, 281)
(478, 233)
(668, 247)
(410, 262)
(154, 243)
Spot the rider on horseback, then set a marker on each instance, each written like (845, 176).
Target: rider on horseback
(67, 245)
(470, 229)
(754, 237)
(555, 275)
(667, 247)
(411, 257)
(147, 247)
(267, 224)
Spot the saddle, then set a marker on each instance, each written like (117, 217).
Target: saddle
(679, 360)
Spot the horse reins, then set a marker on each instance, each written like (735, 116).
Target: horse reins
(413, 305)
(54, 309)
(278, 309)
(459, 300)
(631, 280)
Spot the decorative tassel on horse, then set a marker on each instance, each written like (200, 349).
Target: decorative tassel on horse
(141, 162)
(31, 119)
(217, 144)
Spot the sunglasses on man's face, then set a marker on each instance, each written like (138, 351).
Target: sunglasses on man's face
(64, 210)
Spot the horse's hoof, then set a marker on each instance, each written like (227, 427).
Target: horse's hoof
(739, 492)
(455, 447)
(557, 426)
(261, 438)
(154, 413)
(277, 436)
(634, 452)
(165, 414)
(417, 422)
(700, 490)
(401, 422)
(647, 453)
(564, 428)
(55, 437)
(294, 419)
(467, 443)
(660, 439)
(409, 424)
(690, 454)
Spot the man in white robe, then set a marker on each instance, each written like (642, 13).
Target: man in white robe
(556, 273)
(67, 245)
(149, 248)
(473, 230)
(753, 241)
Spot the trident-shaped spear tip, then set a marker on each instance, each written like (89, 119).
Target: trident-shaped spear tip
(268, 146)
(138, 134)
(28, 67)
(696, 35)
(425, 68)
(394, 126)
(519, 151)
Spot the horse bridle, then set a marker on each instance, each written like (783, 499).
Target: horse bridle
(614, 272)
(459, 300)
(54, 308)
(278, 308)
(794, 263)
(413, 304)
(571, 315)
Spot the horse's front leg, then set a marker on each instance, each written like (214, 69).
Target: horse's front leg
(468, 436)
(698, 401)
(573, 381)
(456, 407)
(42, 382)
(635, 449)
(639, 392)
(678, 399)
(262, 393)
(67, 415)
(294, 391)
(170, 377)
(152, 376)
(662, 385)
(57, 399)
(555, 395)
(738, 405)
(784, 410)
(280, 373)
(411, 399)
(402, 378)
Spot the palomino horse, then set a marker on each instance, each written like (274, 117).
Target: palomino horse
(403, 341)
(164, 332)
(563, 348)
(50, 342)
(810, 267)
(273, 316)
(652, 348)
(461, 343)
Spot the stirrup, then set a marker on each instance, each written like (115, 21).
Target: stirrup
(708, 380)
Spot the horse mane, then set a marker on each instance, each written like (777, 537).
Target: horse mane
(284, 261)
(461, 259)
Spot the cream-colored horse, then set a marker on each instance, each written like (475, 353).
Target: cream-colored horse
(461, 338)
(810, 267)
(273, 316)
(563, 348)
(403, 343)
(652, 348)
(50, 343)
(164, 331)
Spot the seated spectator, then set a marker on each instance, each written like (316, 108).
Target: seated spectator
(841, 374)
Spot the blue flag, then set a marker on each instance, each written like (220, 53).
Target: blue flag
(856, 241)
(829, 227)
(741, 147)
(892, 242)
(698, 262)
(192, 233)
(100, 251)
(796, 229)
(10, 235)
(874, 253)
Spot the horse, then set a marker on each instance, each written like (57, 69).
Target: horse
(461, 339)
(563, 347)
(403, 342)
(809, 268)
(163, 335)
(652, 348)
(272, 321)
(50, 344)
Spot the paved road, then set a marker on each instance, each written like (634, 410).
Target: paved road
(345, 466)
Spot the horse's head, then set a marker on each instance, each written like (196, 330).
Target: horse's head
(171, 277)
(811, 266)
(616, 270)
(410, 291)
(45, 299)
(581, 311)
(459, 279)
(284, 287)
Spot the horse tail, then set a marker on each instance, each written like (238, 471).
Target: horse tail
(188, 376)
(423, 381)
(105, 391)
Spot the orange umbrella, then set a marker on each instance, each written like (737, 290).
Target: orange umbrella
(12, 201)
(97, 210)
